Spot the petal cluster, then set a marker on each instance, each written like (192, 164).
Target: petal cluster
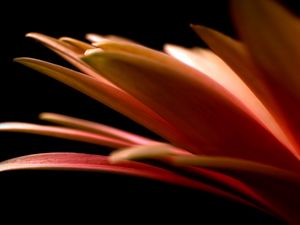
(229, 114)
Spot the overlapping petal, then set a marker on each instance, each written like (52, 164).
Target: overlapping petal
(231, 118)
(271, 35)
(213, 124)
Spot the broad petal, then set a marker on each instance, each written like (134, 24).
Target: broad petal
(65, 133)
(94, 127)
(211, 65)
(232, 51)
(211, 121)
(108, 95)
(271, 35)
(278, 187)
(78, 161)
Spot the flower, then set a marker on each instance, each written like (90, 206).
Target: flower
(230, 115)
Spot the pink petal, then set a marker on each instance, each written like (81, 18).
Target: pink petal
(78, 161)
(66, 133)
(94, 127)
(280, 188)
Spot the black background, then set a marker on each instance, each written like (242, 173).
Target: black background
(25, 93)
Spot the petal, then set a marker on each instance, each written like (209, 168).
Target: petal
(108, 95)
(196, 105)
(271, 35)
(66, 133)
(94, 127)
(232, 51)
(279, 187)
(68, 52)
(88, 162)
(154, 151)
(95, 38)
(211, 65)
(76, 43)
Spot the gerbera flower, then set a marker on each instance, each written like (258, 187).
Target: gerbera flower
(230, 115)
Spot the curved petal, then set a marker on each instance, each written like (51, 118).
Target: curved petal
(211, 65)
(194, 105)
(88, 162)
(271, 35)
(66, 133)
(279, 187)
(151, 151)
(94, 127)
(68, 52)
(108, 95)
(232, 51)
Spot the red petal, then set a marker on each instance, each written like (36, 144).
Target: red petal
(78, 161)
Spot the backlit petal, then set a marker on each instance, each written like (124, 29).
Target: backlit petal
(232, 51)
(108, 95)
(62, 132)
(94, 127)
(78, 161)
(279, 187)
(154, 151)
(196, 105)
(271, 35)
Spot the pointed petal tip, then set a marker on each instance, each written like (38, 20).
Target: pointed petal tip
(90, 52)
(201, 30)
(32, 34)
(22, 60)
(140, 152)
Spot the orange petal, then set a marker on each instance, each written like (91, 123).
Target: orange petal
(69, 52)
(196, 105)
(95, 38)
(211, 65)
(108, 95)
(76, 43)
(232, 51)
(151, 151)
(278, 187)
(65, 133)
(94, 127)
(272, 34)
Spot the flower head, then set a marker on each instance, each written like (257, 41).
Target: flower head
(230, 114)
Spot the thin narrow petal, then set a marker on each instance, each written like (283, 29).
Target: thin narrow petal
(66, 133)
(108, 95)
(154, 151)
(271, 35)
(203, 112)
(94, 127)
(279, 187)
(78, 161)
(76, 43)
(95, 38)
(69, 52)
(232, 51)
